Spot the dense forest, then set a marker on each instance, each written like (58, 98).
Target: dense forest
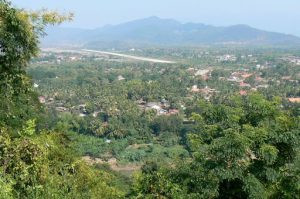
(217, 123)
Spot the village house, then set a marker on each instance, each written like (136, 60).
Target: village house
(234, 77)
(61, 109)
(286, 78)
(162, 112)
(292, 59)
(153, 105)
(42, 99)
(108, 141)
(96, 113)
(173, 112)
(121, 78)
(59, 103)
(243, 84)
(82, 108)
(243, 92)
(239, 76)
(225, 58)
(294, 99)
(207, 90)
(165, 103)
(259, 79)
(160, 108)
(195, 89)
(262, 86)
(204, 74)
(75, 57)
(261, 67)
(82, 115)
(246, 75)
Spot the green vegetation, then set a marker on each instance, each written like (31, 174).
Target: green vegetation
(35, 164)
(245, 147)
(220, 123)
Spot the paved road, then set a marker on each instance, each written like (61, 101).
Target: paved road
(131, 56)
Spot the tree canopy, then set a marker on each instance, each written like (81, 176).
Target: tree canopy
(35, 163)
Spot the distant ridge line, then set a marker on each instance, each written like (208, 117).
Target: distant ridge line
(155, 31)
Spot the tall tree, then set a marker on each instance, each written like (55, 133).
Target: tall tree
(19, 38)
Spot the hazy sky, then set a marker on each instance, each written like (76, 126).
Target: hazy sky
(274, 15)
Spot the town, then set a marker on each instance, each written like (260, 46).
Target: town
(250, 74)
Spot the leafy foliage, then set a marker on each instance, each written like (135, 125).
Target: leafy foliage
(241, 149)
(35, 164)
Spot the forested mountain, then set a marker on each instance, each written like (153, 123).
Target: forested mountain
(159, 31)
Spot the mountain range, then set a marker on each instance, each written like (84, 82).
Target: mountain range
(168, 32)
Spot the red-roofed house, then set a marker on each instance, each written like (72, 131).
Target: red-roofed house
(246, 75)
(243, 92)
(294, 100)
(243, 84)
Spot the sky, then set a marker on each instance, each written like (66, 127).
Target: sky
(272, 15)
